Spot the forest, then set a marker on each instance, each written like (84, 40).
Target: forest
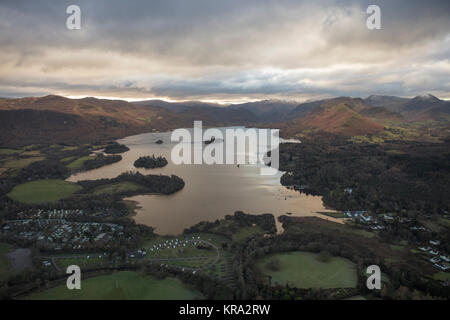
(394, 176)
(150, 162)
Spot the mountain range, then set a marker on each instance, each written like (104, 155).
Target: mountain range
(57, 119)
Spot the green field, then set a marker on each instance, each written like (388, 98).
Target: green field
(125, 285)
(20, 163)
(43, 191)
(68, 159)
(78, 164)
(243, 233)
(441, 276)
(31, 153)
(6, 269)
(118, 187)
(4, 151)
(304, 270)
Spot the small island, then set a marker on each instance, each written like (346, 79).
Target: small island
(114, 148)
(150, 162)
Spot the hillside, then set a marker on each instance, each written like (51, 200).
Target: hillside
(267, 110)
(392, 103)
(420, 108)
(427, 107)
(26, 126)
(55, 119)
(341, 116)
(209, 113)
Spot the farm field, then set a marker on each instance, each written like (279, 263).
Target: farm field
(13, 163)
(304, 270)
(5, 151)
(43, 191)
(244, 233)
(125, 285)
(441, 276)
(118, 188)
(78, 164)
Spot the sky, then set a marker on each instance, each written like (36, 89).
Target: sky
(225, 51)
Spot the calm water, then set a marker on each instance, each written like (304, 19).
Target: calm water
(210, 193)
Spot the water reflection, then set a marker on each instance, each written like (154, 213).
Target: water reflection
(210, 193)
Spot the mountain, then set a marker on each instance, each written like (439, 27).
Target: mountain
(210, 113)
(304, 108)
(343, 116)
(259, 111)
(267, 110)
(391, 103)
(427, 107)
(53, 119)
(421, 103)
(420, 108)
(382, 115)
(176, 106)
(56, 119)
(27, 126)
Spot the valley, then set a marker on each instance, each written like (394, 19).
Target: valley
(367, 184)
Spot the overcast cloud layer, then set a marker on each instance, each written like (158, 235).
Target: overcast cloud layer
(228, 50)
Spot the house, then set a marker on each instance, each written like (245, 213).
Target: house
(364, 217)
(435, 260)
(442, 267)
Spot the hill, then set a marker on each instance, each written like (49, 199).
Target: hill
(267, 110)
(341, 116)
(420, 108)
(392, 103)
(210, 113)
(55, 119)
(427, 107)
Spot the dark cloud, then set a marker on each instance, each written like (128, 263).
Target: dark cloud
(215, 49)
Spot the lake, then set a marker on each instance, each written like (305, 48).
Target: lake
(210, 192)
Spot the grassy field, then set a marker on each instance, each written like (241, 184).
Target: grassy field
(442, 276)
(81, 260)
(244, 233)
(125, 285)
(444, 222)
(6, 269)
(78, 164)
(43, 191)
(31, 153)
(4, 151)
(304, 270)
(333, 214)
(20, 163)
(118, 188)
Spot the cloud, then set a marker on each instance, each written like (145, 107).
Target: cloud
(224, 49)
